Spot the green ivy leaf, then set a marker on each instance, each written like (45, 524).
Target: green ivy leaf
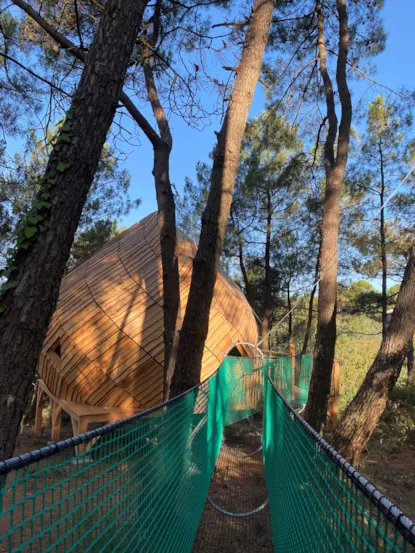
(2, 308)
(30, 231)
(39, 204)
(67, 126)
(24, 244)
(8, 286)
(34, 218)
(64, 137)
(8, 271)
(62, 166)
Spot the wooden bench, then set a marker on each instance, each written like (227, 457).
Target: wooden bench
(81, 414)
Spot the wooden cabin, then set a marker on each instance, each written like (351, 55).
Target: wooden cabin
(104, 346)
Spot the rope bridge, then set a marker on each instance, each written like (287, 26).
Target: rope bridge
(141, 484)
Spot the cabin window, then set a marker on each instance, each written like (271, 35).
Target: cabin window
(55, 352)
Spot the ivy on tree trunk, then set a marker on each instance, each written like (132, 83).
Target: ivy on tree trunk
(37, 266)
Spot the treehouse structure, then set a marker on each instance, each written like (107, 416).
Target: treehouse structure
(102, 358)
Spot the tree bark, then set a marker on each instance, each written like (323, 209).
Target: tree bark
(267, 284)
(364, 412)
(169, 259)
(290, 315)
(241, 259)
(383, 244)
(335, 166)
(411, 364)
(215, 216)
(28, 305)
(311, 304)
(167, 212)
(162, 146)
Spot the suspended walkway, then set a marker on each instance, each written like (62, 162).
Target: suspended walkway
(229, 466)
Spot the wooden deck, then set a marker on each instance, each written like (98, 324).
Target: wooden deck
(81, 415)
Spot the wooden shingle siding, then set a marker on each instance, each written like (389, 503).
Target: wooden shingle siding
(109, 322)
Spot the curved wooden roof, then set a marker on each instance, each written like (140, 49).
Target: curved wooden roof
(104, 345)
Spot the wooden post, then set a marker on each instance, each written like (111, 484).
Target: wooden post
(80, 427)
(293, 383)
(56, 412)
(334, 396)
(40, 398)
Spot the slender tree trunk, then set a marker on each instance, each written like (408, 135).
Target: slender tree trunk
(40, 262)
(311, 304)
(169, 259)
(364, 412)
(411, 364)
(383, 245)
(316, 407)
(247, 284)
(215, 216)
(166, 208)
(290, 315)
(267, 284)
(241, 259)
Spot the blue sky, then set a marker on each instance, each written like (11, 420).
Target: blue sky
(395, 68)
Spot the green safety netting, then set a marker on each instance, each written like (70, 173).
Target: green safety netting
(140, 485)
(319, 502)
(291, 376)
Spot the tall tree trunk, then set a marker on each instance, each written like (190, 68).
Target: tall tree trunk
(383, 245)
(169, 259)
(411, 364)
(266, 309)
(290, 315)
(167, 210)
(241, 259)
(311, 304)
(40, 261)
(364, 412)
(215, 216)
(162, 146)
(335, 166)
(247, 284)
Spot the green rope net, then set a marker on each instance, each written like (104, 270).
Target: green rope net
(140, 485)
(318, 502)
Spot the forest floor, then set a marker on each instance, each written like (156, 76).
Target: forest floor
(393, 474)
(388, 460)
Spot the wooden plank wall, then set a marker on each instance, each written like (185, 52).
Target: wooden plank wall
(109, 322)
